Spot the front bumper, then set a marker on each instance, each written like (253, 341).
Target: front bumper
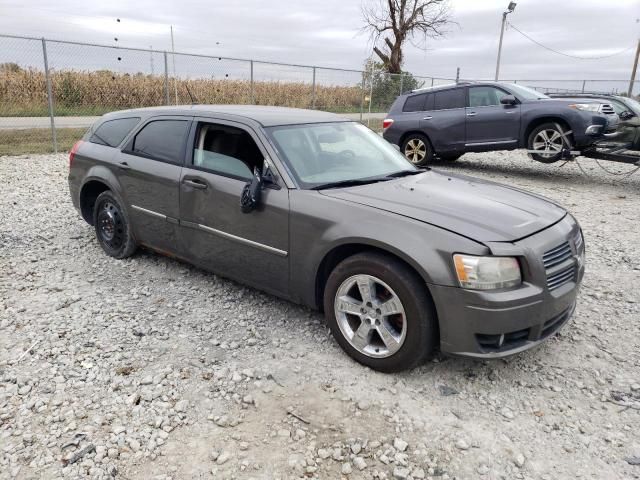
(495, 324)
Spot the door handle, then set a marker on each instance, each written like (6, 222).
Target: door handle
(471, 114)
(428, 118)
(124, 166)
(509, 111)
(199, 184)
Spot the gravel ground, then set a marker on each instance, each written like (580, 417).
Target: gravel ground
(150, 368)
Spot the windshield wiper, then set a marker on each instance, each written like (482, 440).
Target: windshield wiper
(349, 183)
(406, 173)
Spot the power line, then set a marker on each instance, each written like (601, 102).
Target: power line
(567, 54)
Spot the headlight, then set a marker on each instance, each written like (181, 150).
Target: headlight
(487, 273)
(587, 107)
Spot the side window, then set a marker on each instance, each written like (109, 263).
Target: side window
(226, 150)
(447, 99)
(415, 103)
(617, 106)
(112, 132)
(485, 96)
(162, 139)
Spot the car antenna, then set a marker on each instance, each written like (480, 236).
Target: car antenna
(193, 100)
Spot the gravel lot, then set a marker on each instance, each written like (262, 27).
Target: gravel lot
(150, 368)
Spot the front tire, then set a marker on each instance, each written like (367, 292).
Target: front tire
(113, 229)
(380, 312)
(549, 141)
(418, 150)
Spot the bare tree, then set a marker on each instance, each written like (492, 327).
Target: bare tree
(397, 21)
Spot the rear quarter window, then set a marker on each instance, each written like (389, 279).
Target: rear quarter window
(112, 132)
(415, 103)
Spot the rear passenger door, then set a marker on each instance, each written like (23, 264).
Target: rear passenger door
(444, 120)
(214, 233)
(148, 170)
(490, 124)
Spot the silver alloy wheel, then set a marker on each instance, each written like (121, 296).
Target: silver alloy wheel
(370, 316)
(415, 150)
(548, 143)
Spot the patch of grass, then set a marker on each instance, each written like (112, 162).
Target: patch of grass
(37, 140)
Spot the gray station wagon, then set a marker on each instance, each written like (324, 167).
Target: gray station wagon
(322, 211)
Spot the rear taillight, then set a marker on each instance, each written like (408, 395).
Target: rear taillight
(72, 152)
(386, 123)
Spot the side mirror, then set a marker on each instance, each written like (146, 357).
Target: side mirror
(626, 115)
(508, 100)
(250, 198)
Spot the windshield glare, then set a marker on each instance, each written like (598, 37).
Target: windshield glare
(324, 153)
(526, 93)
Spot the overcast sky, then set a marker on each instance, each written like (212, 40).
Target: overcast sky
(325, 32)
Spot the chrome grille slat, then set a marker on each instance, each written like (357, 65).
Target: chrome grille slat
(556, 255)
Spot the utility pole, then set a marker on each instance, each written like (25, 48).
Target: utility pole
(633, 72)
(175, 77)
(510, 9)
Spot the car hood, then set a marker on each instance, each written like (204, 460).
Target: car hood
(481, 210)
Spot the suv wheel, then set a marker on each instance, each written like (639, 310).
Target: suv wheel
(417, 149)
(380, 313)
(548, 140)
(113, 229)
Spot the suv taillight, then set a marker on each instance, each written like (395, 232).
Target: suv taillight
(72, 152)
(386, 123)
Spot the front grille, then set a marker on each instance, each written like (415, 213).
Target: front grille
(558, 279)
(558, 256)
(607, 109)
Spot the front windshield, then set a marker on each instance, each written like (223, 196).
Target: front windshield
(526, 93)
(324, 153)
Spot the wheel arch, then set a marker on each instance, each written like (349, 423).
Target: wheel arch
(536, 122)
(345, 250)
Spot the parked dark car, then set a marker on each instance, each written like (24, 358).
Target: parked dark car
(322, 211)
(450, 120)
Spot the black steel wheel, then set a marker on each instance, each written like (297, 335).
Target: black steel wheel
(112, 226)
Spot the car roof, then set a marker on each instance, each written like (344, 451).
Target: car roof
(462, 83)
(267, 116)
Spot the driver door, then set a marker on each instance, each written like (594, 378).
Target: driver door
(214, 233)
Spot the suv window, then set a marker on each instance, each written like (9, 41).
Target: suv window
(415, 103)
(226, 150)
(112, 132)
(446, 99)
(162, 140)
(485, 96)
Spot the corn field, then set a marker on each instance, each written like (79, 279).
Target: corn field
(23, 92)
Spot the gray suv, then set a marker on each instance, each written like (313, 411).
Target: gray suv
(448, 121)
(322, 211)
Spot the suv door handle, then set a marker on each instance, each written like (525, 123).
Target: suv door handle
(428, 118)
(199, 184)
(471, 114)
(124, 166)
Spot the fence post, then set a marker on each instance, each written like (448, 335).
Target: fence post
(253, 98)
(583, 84)
(364, 85)
(401, 82)
(166, 80)
(54, 138)
(313, 93)
(370, 96)
(432, 79)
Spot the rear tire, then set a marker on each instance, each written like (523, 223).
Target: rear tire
(548, 139)
(391, 328)
(113, 229)
(418, 150)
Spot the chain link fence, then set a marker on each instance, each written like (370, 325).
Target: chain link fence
(51, 91)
